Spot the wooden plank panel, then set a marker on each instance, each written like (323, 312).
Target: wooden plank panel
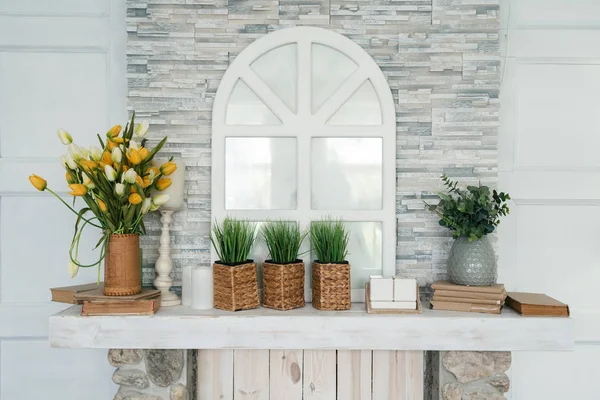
(286, 374)
(251, 375)
(319, 375)
(215, 374)
(389, 375)
(354, 374)
(414, 374)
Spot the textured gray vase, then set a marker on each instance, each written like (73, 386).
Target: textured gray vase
(472, 263)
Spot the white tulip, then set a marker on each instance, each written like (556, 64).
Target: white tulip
(116, 155)
(142, 129)
(73, 269)
(70, 161)
(119, 189)
(146, 205)
(64, 137)
(110, 172)
(130, 176)
(133, 145)
(87, 181)
(159, 200)
(77, 152)
(95, 153)
(63, 161)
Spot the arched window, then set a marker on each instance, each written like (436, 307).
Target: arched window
(304, 127)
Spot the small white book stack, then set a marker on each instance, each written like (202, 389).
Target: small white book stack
(392, 293)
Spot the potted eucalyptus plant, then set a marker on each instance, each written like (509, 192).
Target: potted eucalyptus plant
(330, 271)
(283, 271)
(471, 214)
(235, 279)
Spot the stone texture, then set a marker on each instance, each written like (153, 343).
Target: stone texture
(468, 366)
(179, 392)
(483, 395)
(452, 391)
(500, 382)
(164, 366)
(119, 357)
(131, 377)
(128, 394)
(441, 59)
(502, 360)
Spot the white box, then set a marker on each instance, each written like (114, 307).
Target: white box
(381, 289)
(394, 305)
(405, 289)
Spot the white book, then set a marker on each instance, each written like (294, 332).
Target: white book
(394, 305)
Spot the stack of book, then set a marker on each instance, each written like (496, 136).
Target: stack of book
(484, 299)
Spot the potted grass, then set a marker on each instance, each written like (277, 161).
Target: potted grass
(331, 271)
(235, 279)
(283, 272)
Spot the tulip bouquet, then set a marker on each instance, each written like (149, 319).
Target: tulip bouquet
(117, 182)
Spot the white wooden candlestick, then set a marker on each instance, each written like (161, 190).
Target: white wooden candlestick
(164, 265)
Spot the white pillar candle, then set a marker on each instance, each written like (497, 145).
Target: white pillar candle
(202, 288)
(186, 285)
(177, 188)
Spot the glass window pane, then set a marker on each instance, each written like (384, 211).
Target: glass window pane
(364, 251)
(245, 108)
(278, 68)
(260, 173)
(330, 69)
(362, 108)
(346, 173)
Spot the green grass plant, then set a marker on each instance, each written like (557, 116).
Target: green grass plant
(233, 239)
(283, 239)
(329, 240)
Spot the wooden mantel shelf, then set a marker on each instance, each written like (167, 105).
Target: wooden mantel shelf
(306, 328)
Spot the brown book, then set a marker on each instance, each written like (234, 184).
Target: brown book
(437, 297)
(121, 307)
(537, 304)
(68, 294)
(445, 285)
(470, 295)
(98, 294)
(465, 307)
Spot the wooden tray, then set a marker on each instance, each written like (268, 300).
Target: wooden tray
(419, 309)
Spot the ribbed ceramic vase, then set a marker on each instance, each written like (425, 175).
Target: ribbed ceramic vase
(472, 263)
(122, 268)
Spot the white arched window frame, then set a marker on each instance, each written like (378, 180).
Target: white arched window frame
(260, 112)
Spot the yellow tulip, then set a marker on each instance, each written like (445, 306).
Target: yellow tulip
(134, 156)
(110, 145)
(152, 172)
(143, 152)
(162, 184)
(88, 165)
(147, 182)
(38, 182)
(107, 157)
(77, 189)
(102, 205)
(139, 180)
(168, 168)
(69, 178)
(125, 168)
(114, 131)
(135, 198)
(117, 140)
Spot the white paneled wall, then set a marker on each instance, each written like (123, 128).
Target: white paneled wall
(550, 164)
(62, 64)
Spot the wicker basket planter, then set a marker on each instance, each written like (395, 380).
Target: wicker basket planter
(331, 286)
(235, 286)
(283, 285)
(122, 269)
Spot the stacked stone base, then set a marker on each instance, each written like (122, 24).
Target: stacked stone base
(150, 374)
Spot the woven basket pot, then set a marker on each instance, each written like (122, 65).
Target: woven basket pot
(283, 285)
(122, 269)
(331, 286)
(235, 286)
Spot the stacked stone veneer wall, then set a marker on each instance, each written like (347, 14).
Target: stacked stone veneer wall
(441, 59)
(150, 374)
(474, 375)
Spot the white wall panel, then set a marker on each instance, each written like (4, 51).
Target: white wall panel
(33, 370)
(54, 7)
(36, 236)
(65, 90)
(556, 13)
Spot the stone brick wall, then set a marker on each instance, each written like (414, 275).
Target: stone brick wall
(441, 58)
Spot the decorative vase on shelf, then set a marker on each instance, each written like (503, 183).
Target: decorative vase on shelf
(472, 263)
(122, 273)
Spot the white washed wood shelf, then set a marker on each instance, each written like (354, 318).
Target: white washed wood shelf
(181, 327)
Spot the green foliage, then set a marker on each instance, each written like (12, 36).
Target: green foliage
(329, 240)
(233, 239)
(283, 239)
(472, 212)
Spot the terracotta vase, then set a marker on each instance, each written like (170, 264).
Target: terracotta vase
(122, 270)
